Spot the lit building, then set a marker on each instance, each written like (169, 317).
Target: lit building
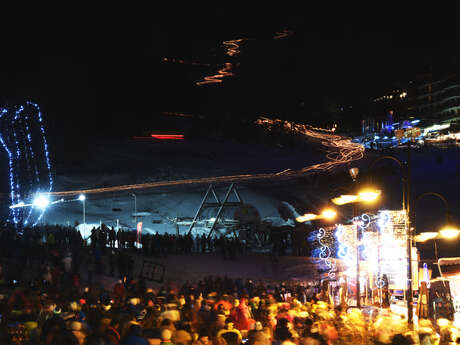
(431, 101)
(438, 94)
(388, 111)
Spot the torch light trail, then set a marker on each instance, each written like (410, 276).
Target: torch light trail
(217, 78)
(233, 49)
(283, 34)
(233, 46)
(340, 150)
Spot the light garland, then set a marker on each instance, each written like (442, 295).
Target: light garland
(382, 246)
(23, 137)
(346, 238)
(325, 254)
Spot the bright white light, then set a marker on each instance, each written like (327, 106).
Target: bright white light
(449, 232)
(328, 214)
(344, 199)
(306, 217)
(41, 201)
(212, 219)
(369, 195)
(425, 236)
(82, 197)
(20, 204)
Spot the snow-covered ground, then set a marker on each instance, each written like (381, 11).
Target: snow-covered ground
(138, 162)
(159, 209)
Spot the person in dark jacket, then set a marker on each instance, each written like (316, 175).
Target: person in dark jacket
(134, 336)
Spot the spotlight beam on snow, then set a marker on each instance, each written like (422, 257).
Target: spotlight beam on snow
(339, 151)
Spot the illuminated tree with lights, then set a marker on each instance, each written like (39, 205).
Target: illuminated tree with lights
(22, 136)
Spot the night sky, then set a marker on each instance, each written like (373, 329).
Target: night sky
(97, 78)
(108, 77)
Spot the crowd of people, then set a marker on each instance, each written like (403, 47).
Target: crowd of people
(156, 245)
(214, 311)
(45, 299)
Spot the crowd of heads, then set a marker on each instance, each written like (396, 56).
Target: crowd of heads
(45, 300)
(230, 246)
(213, 311)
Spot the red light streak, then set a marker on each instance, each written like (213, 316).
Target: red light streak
(168, 136)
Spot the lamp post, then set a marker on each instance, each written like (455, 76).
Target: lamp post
(438, 195)
(354, 213)
(406, 188)
(135, 208)
(447, 232)
(82, 198)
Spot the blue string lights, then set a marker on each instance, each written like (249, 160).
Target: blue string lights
(325, 253)
(22, 135)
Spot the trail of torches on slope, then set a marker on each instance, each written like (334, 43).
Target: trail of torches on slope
(283, 34)
(233, 49)
(340, 150)
(233, 46)
(217, 78)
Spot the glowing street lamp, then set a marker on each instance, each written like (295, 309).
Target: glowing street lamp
(449, 232)
(344, 199)
(367, 196)
(306, 217)
(327, 214)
